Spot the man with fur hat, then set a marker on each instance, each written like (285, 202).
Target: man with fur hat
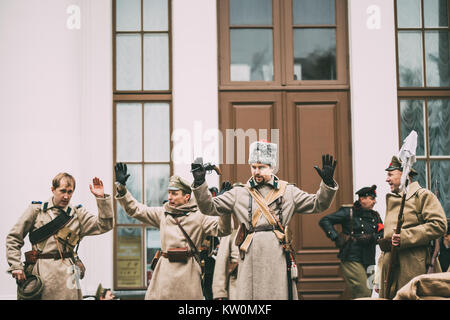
(362, 227)
(424, 220)
(264, 206)
(177, 274)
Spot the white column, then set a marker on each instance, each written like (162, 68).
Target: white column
(373, 94)
(195, 86)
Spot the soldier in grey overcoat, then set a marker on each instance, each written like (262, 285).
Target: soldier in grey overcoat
(263, 264)
(55, 262)
(172, 278)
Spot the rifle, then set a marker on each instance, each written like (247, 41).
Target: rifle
(437, 245)
(394, 265)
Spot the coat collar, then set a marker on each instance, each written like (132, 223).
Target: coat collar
(50, 205)
(185, 209)
(412, 189)
(273, 182)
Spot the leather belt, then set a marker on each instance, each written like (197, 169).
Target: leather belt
(189, 254)
(55, 255)
(262, 229)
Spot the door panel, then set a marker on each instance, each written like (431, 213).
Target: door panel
(309, 124)
(318, 124)
(249, 115)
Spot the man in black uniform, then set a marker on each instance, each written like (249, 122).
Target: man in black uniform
(361, 228)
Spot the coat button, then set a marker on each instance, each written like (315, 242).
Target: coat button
(362, 231)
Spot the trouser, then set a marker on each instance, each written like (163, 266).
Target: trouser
(356, 278)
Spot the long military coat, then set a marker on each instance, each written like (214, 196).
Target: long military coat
(420, 205)
(225, 285)
(176, 280)
(262, 274)
(60, 279)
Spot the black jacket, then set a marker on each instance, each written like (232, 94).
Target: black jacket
(365, 222)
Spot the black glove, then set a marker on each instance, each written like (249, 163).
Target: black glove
(225, 187)
(327, 171)
(121, 173)
(198, 171)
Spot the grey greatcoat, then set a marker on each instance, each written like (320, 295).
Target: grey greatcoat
(176, 280)
(423, 220)
(61, 281)
(225, 281)
(262, 274)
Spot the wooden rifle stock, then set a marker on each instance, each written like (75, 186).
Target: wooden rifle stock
(393, 266)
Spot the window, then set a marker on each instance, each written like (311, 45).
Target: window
(142, 127)
(280, 43)
(423, 88)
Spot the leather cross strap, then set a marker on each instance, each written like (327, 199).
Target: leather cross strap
(191, 243)
(263, 209)
(50, 228)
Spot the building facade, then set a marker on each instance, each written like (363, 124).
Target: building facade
(155, 83)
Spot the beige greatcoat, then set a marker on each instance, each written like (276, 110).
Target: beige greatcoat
(225, 285)
(60, 280)
(414, 236)
(176, 280)
(262, 274)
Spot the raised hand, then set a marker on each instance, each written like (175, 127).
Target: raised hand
(98, 189)
(327, 171)
(198, 172)
(121, 173)
(226, 185)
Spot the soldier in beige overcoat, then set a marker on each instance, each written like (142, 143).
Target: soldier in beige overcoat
(263, 265)
(56, 263)
(173, 279)
(423, 221)
(224, 284)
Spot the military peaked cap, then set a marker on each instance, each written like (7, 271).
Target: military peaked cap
(367, 191)
(396, 164)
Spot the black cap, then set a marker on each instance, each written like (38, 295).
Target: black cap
(367, 191)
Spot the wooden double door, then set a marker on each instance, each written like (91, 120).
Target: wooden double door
(305, 125)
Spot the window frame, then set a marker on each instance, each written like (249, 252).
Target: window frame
(422, 31)
(424, 93)
(283, 56)
(142, 34)
(142, 97)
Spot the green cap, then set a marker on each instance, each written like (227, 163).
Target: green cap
(396, 164)
(177, 183)
(99, 292)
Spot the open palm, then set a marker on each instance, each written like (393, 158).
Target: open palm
(97, 190)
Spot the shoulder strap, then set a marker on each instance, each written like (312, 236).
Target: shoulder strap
(191, 243)
(50, 228)
(263, 203)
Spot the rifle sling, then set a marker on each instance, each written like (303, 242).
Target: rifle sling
(50, 228)
(191, 243)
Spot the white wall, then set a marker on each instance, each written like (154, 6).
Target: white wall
(55, 115)
(373, 93)
(195, 93)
